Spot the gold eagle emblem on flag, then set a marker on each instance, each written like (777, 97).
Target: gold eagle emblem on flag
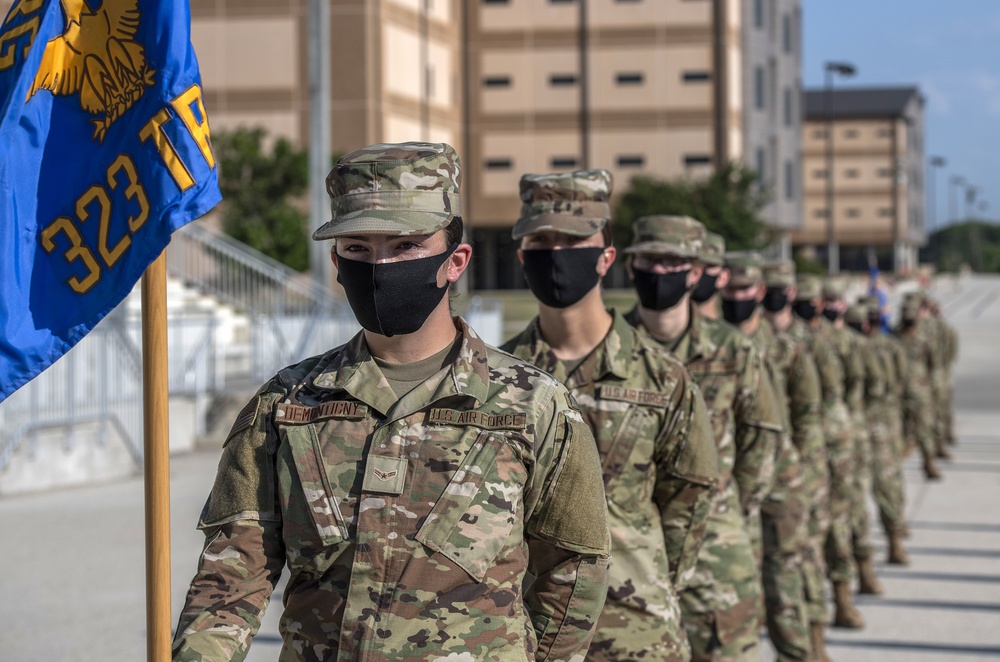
(98, 58)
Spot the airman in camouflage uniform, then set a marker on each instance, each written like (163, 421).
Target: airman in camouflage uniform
(865, 387)
(648, 417)
(885, 426)
(944, 344)
(720, 604)
(409, 501)
(705, 294)
(785, 511)
(838, 433)
(949, 356)
(918, 410)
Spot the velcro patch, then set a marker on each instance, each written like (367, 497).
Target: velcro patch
(634, 395)
(479, 419)
(297, 415)
(384, 475)
(246, 417)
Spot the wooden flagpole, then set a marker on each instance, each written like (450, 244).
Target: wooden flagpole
(156, 462)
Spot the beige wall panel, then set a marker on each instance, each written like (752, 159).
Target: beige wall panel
(247, 53)
(527, 15)
(400, 62)
(398, 129)
(440, 58)
(527, 152)
(438, 10)
(616, 14)
(662, 69)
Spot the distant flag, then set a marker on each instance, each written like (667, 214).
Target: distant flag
(104, 152)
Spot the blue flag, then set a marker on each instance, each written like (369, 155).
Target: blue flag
(104, 152)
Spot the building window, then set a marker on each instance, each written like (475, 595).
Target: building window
(853, 212)
(820, 213)
(761, 164)
(885, 211)
(630, 78)
(786, 33)
(561, 2)
(884, 133)
(624, 1)
(852, 173)
(692, 160)
(789, 180)
(557, 80)
(885, 172)
(495, 2)
(788, 106)
(758, 88)
(631, 161)
(819, 134)
(819, 174)
(496, 81)
(696, 76)
(851, 133)
(560, 162)
(498, 164)
(758, 13)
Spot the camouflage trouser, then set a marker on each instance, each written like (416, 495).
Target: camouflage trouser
(860, 520)
(719, 605)
(627, 634)
(840, 457)
(784, 525)
(887, 467)
(949, 412)
(918, 419)
(817, 491)
(941, 393)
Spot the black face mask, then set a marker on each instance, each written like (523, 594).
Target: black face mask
(737, 312)
(831, 314)
(705, 288)
(857, 326)
(775, 300)
(660, 291)
(875, 322)
(393, 298)
(560, 278)
(804, 309)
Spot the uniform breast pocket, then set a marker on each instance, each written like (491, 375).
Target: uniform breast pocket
(474, 516)
(321, 489)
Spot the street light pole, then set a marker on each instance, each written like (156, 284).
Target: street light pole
(954, 182)
(935, 163)
(832, 247)
(319, 138)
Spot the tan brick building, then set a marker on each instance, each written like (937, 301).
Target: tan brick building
(878, 175)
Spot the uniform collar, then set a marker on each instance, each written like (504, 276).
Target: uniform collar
(355, 372)
(610, 357)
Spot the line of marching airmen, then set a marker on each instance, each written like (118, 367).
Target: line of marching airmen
(659, 484)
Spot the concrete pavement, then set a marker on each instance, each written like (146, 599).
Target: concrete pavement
(73, 580)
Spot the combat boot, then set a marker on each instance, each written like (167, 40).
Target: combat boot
(931, 472)
(868, 583)
(817, 634)
(897, 555)
(846, 614)
(943, 453)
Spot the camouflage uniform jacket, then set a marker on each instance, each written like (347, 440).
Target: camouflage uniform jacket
(407, 525)
(876, 382)
(659, 460)
(746, 417)
(796, 382)
(847, 346)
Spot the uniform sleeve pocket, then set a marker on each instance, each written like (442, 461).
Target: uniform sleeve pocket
(321, 500)
(473, 518)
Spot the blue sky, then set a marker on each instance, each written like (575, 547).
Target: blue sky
(950, 49)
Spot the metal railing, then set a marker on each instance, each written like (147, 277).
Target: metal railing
(100, 381)
(241, 277)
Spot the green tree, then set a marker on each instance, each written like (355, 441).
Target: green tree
(975, 243)
(261, 192)
(728, 202)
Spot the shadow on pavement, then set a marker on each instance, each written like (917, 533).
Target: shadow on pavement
(951, 551)
(927, 604)
(941, 577)
(972, 527)
(915, 646)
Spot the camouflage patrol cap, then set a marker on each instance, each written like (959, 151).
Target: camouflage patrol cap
(910, 309)
(870, 304)
(810, 287)
(574, 203)
(856, 314)
(394, 189)
(713, 249)
(667, 235)
(779, 273)
(745, 268)
(834, 288)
